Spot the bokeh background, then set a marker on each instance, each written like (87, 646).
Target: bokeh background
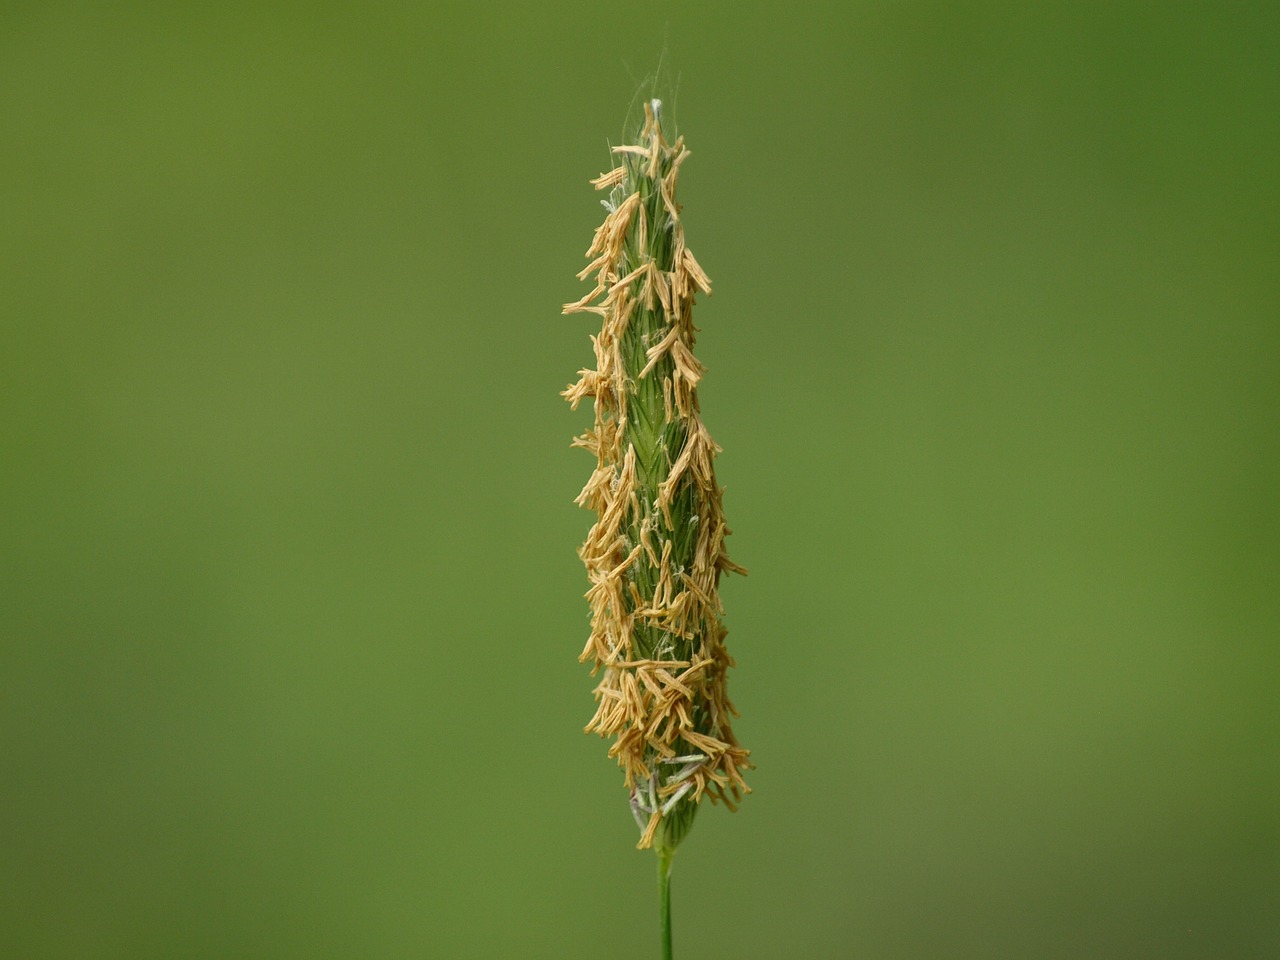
(289, 604)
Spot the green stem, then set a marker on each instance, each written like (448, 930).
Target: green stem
(664, 897)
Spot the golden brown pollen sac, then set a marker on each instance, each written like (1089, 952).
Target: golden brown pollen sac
(656, 552)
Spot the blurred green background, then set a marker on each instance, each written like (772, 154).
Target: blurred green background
(289, 604)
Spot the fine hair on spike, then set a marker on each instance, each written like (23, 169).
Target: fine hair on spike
(658, 85)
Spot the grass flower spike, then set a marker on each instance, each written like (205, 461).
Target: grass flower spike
(656, 552)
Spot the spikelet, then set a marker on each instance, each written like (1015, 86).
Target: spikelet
(656, 552)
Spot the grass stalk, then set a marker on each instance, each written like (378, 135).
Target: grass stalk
(656, 553)
(664, 899)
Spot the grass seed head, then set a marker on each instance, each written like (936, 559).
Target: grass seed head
(656, 552)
